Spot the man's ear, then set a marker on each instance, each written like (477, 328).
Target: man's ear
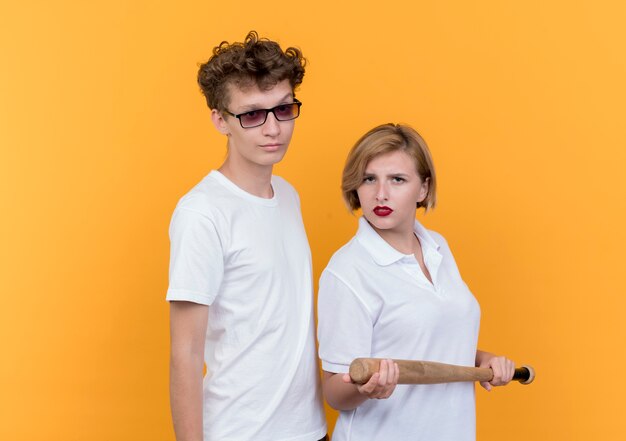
(219, 122)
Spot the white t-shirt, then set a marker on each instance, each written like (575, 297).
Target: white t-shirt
(249, 259)
(376, 302)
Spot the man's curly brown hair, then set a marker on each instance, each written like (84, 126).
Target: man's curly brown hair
(255, 61)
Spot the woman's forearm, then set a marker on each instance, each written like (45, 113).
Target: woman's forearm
(340, 395)
(482, 356)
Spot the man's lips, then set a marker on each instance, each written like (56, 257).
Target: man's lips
(382, 211)
(271, 146)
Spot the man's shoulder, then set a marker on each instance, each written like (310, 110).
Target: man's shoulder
(285, 190)
(282, 184)
(204, 197)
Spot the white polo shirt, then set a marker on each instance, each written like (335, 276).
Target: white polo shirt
(376, 302)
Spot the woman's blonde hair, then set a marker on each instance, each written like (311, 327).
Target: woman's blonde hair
(383, 139)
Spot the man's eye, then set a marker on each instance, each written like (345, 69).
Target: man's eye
(251, 114)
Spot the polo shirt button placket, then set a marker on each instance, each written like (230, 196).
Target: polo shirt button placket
(410, 265)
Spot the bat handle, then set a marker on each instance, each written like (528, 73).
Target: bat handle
(524, 374)
(424, 372)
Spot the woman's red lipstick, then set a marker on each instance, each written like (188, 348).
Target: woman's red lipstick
(382, 211)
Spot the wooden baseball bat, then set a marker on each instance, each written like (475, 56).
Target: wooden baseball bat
(430, 372)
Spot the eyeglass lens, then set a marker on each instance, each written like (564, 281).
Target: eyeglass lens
(284, 112)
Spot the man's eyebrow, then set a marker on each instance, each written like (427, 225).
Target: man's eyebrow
(254, 106)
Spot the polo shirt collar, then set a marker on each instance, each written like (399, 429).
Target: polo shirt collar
(383, 253)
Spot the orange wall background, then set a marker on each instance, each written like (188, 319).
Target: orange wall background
(102, 129)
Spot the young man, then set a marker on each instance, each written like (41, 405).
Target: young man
(240, 270)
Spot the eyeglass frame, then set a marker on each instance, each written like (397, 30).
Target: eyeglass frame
(267, 112)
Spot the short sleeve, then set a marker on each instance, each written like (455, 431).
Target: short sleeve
(344, 324)
(196, 258)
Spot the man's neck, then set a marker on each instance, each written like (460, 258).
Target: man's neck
(252, 178)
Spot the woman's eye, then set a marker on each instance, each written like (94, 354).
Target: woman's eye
(368, 179)
(398, 179)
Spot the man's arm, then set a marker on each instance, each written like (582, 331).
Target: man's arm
(188, 324)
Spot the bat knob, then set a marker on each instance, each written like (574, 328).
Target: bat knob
(525, 374)
(361, 370)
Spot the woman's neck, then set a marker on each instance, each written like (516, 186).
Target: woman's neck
(403, 240)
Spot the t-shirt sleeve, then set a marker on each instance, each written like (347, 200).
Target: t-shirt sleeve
(196, 258)
(344, 326)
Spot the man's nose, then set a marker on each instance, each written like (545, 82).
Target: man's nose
(271, 126)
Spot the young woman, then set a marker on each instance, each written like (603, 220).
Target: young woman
(394, 291)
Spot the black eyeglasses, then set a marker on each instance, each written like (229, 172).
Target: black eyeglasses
(257, 117)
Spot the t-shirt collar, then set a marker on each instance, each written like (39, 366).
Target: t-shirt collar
(231, 186)
(383, 253)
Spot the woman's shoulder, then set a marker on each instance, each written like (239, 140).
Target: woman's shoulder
(349, 257)
(437, 237)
